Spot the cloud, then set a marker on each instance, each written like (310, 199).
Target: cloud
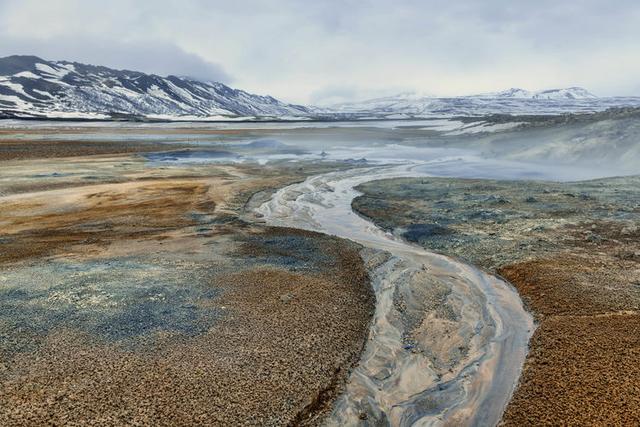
(148, 56)
(304, 51)
(338, 94)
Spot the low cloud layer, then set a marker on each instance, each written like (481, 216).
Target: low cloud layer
(339, 50)
(148, 56)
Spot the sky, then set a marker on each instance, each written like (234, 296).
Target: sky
(324, 52)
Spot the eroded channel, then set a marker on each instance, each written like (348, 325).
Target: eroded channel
(447, 342)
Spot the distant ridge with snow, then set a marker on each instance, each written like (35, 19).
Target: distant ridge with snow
(549, 94)
(34, 88)
(513, 101)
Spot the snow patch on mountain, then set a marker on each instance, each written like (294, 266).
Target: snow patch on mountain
(512, 101)
(549, 94)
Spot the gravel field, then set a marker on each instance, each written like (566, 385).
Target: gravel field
(134, 294)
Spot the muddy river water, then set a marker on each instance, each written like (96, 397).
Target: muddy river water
(447, 342)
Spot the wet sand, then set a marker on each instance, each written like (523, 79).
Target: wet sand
(572, 251)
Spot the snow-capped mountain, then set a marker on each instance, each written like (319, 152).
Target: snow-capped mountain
(550, 94)
(33, 87)
(511, 101)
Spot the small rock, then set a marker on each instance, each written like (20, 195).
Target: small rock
(593, 238)
(286, 297)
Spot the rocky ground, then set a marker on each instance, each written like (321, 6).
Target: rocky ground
(573, 252)
(133, 293)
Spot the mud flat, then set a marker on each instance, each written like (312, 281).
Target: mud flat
(573, 252)
(448, 340)
(133, 293)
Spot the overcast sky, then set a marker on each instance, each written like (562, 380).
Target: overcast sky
(328, 51)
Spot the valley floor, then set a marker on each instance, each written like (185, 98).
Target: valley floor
(133, 293)
(137, 288)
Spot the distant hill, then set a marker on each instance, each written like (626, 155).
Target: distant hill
(550, 94)
(512, 101)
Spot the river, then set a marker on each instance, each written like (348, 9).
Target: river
(447, 342)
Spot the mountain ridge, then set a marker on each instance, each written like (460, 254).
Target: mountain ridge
(514, 101)
(34, 88)
(573, 92)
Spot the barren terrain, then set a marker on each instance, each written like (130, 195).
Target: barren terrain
(134, 293)
(572, 251)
